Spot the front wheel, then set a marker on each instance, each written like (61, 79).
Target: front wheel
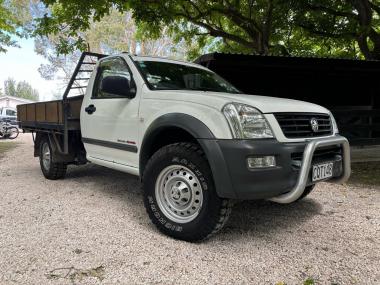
(180, 196)
(51, 170)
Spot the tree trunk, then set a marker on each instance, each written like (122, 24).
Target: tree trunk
(132, 48)
(267, 28)
(365, 16)
(375, 38)
(142, 48)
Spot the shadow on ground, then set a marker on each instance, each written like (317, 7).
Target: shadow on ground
(257, 218)
(365, 173)
(262, 218)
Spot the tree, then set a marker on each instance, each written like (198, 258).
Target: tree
(26, 91)
(10, 87)
(21, 89)
(252, 24)
(336, 27)
(114, 33)
(345, 23)
(8, 26)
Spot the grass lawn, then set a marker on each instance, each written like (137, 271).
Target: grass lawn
(5, 146)
(367, 173)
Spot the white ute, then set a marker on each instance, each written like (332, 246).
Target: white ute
(196, 141)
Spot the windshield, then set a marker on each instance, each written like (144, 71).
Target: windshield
(10, 113)
(172, 76)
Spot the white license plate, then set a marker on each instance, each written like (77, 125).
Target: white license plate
(322, 171)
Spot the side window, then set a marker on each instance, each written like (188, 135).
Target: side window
(115, 69)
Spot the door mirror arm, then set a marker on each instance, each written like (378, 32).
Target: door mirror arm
(132, 90)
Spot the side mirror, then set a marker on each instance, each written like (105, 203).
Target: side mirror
(118, 86)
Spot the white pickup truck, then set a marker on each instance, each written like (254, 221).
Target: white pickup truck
(196, 141)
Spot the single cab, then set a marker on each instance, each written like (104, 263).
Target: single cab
(196, 142)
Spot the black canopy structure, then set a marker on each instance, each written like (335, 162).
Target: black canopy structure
(349, 88)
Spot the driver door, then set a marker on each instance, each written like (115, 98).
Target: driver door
(109, 117)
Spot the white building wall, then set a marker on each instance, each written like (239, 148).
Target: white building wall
(12, 102)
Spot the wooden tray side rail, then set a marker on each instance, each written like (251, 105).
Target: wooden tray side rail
(50, 114)
(41, 115)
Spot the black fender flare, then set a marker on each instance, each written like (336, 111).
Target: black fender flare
(205, 138)
(189, 123)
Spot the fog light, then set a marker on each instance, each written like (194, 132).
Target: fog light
(261, 161)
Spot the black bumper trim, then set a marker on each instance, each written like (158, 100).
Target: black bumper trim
(233, 179)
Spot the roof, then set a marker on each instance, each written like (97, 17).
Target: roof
(215, 55)
(16, 98)
(322, 64)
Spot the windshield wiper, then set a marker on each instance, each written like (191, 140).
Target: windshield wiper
(199, 89)
(204, 89)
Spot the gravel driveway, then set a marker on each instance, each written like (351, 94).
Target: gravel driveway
(91, 228)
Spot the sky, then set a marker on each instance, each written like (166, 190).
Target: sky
(22, 64)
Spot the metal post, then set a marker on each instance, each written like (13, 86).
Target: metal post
(65, 102)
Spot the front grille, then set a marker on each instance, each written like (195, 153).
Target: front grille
(298, 125)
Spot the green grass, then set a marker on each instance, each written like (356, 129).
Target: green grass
(367, 173)
(6, 146)
(309, 281)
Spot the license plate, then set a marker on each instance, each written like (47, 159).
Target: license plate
(322, 171)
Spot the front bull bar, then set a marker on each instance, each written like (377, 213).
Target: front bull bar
(308, 154)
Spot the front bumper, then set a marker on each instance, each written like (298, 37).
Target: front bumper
(283, 183)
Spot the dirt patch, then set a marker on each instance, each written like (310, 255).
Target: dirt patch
(6, 146)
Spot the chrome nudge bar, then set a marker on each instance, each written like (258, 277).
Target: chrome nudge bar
(312, 145)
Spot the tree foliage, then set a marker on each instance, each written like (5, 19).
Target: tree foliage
(15, 21)
(10, 87)
(346, 24)
(8, 26)
(249, 24)
(326, 27)
(20, 89)
(116, 32)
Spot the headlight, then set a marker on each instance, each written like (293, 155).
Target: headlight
(334, 124)
(246, 122)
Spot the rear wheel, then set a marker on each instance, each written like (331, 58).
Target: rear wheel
(180, 196)
(51, 170)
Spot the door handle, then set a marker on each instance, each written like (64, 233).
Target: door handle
(90, 109)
